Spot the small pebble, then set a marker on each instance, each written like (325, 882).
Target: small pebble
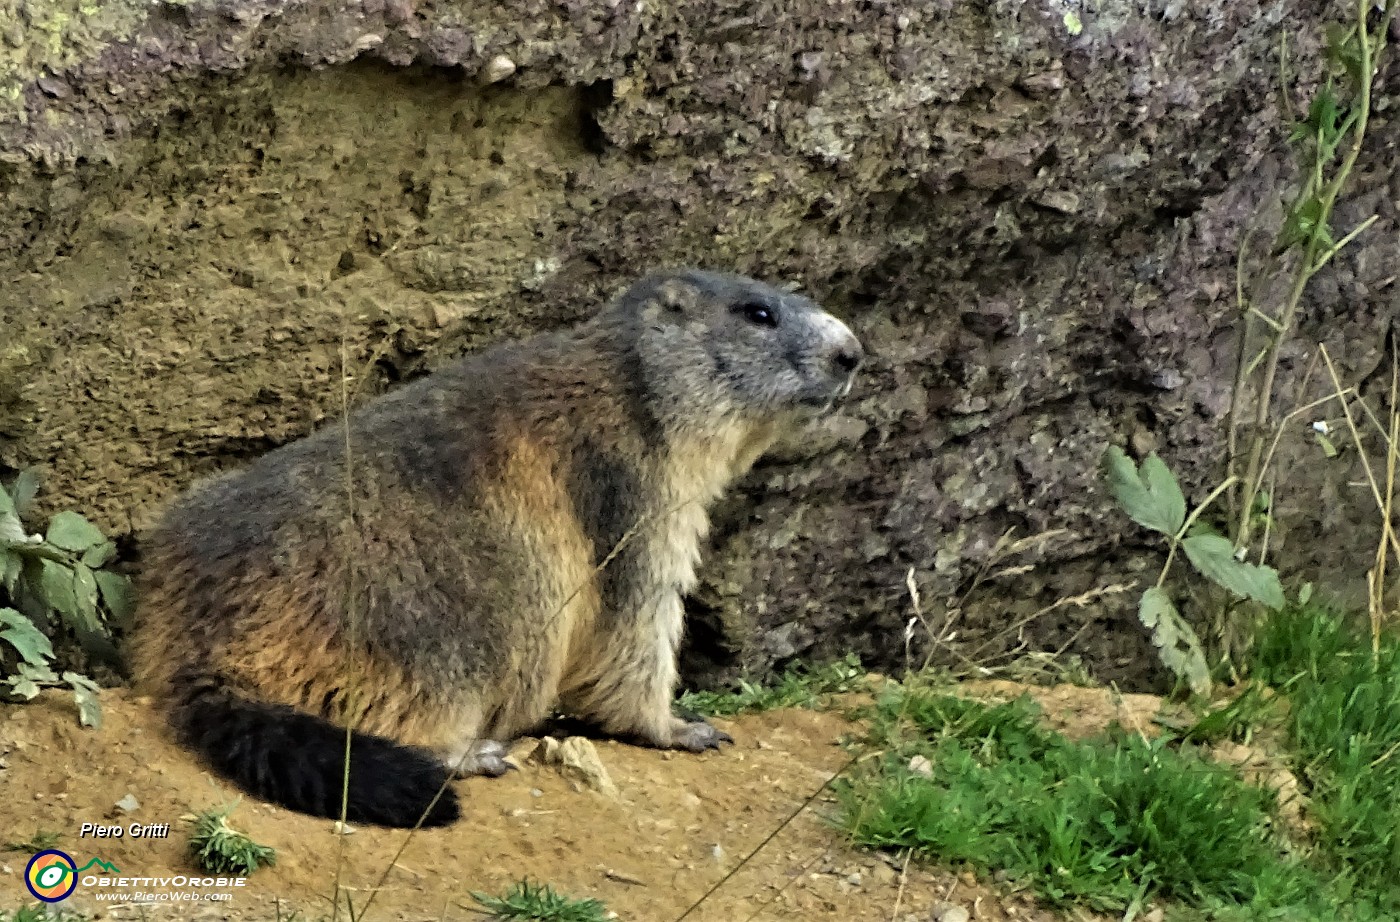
(499, 68)
(128, 804)
(853, 880)
(949, 912)
(536, 792)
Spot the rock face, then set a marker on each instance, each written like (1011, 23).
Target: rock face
(1028, 210)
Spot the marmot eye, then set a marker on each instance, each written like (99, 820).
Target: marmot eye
(761, 314)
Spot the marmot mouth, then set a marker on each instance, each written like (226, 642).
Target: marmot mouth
(822, 393)
(824, 403)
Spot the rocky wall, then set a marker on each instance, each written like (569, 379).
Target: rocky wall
(1028, 209)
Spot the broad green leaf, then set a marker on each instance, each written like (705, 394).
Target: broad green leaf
(116, 595)
(11, 565)
(85, 694)
(1153, 500)
(40, 674)
(40, 549)
(1328, 449)
(72, 532)
(26, 595)
(85, 594)
(20, 633)
(1214, 557)
(56, 588)
(11, 530)
(1305, 593)
(25, 489)
(23, 688)
(1177, 644)
(99, 555)
(1161, 483)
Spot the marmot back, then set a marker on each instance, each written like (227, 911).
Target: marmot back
(511, 534)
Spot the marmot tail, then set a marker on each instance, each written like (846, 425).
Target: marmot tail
(297, 760)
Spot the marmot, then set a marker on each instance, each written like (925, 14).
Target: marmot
(511, 534)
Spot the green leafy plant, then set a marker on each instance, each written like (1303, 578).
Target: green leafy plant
(799, 687)
(41, 840)
(1152, 497)
(54, 580)
(1327, 142)
(541, 902)
(220, 849)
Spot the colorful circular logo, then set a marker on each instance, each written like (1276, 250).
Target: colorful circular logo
(51, 875)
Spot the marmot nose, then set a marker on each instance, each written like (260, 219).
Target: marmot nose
(848, 356)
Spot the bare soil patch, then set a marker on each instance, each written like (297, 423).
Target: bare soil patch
(680, 824)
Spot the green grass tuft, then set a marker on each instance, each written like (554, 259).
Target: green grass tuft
(1236, 720)
(541, 902)
(1105, 823)
(799, 687)
(1345, 725)
(41, 914)
(41, 840)
(220, 849)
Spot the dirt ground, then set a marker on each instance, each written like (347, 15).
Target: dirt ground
(679, 824)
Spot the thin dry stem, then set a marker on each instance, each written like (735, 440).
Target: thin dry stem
(1288, 420)
(903, 880)
(1382, 429)
(352, 625)
(1340, 245)
(1232, 426)
(1078, 601)
(1387, 533)
(1285, 79)
(783, 889)
(743, 862)
(1387, 526)
(1005, 547)
(1268, 519)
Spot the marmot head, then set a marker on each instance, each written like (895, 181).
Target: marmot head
(717, 344)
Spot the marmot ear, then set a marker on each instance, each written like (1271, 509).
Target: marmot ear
(676, 296)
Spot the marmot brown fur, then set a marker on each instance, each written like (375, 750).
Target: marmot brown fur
(511, 534)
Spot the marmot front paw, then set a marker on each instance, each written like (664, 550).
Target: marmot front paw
(699, 736)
